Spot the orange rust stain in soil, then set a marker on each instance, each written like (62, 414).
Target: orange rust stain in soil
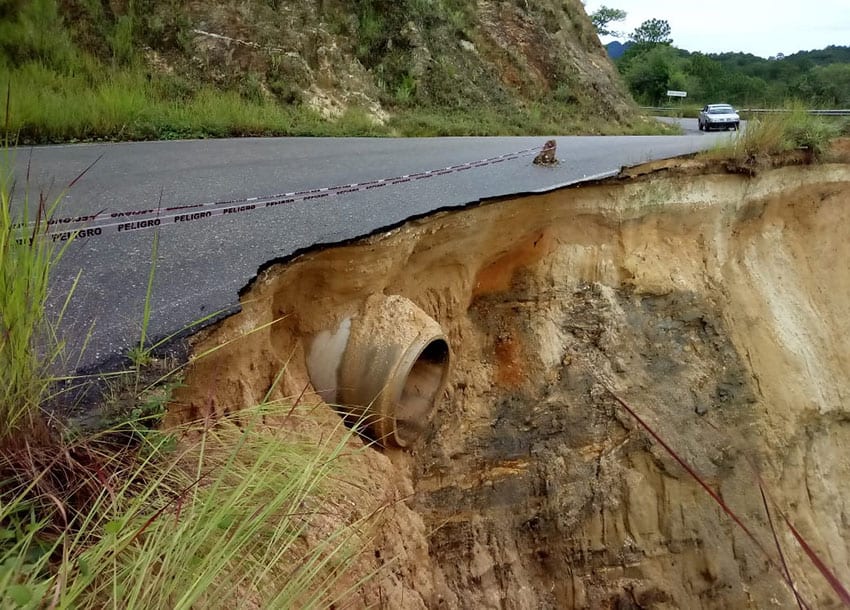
(496, 277)
(509, 358)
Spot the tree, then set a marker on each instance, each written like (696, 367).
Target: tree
(652, 32)
(825, 86)
(706, 76)
(649, 74)
(604, 16)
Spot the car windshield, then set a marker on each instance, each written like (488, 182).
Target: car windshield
(721, 110)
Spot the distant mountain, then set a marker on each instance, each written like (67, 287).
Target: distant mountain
(616, 48)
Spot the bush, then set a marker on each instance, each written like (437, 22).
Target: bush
(134, 517)
(780, 132)
(808, 131)
(29, 346)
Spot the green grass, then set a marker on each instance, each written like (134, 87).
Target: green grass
(95, 102)
(535, 119)
(53, 108)
(775, 134)
(122, 106)
(203, 516)
(199, 515)
(29, 347)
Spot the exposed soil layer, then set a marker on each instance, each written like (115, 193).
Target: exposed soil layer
(714, 303)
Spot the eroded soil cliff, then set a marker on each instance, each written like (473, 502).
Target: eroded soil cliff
(713, 303)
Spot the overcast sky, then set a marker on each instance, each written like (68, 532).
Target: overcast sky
(760, 27)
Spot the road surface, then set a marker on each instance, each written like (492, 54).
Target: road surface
(202, 265)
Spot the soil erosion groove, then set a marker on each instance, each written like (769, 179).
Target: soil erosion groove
(715, 302)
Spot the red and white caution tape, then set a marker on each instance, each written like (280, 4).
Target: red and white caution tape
(103, 223)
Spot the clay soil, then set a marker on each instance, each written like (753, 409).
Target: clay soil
(714, 303)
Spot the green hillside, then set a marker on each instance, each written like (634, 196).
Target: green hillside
(137, 69)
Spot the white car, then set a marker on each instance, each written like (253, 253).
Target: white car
(718, 115)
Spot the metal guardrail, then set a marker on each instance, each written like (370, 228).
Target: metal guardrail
(845, 112)
(818, 112)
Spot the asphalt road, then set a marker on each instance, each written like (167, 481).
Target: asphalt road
(201, 266)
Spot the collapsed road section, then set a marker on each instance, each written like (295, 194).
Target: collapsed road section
(485, 344)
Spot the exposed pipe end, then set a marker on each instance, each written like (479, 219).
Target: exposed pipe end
(386, 367)
(420, 392)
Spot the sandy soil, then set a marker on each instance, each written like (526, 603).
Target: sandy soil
(714, 303)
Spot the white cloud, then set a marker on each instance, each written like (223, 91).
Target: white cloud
(761, 27)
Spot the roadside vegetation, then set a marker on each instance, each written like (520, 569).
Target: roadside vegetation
(778, 134)
(131, 515)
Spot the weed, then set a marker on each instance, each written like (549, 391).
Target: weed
(140, 354)
(121, 41)
(406, 89)
(29, 345)
(135, 517)
(778, 133)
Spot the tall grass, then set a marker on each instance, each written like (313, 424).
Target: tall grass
(122, 104)
(200, 516)
(204, 517)
(234, 505)
(29, 346)
(774, 134)
(24, 272)
(88, 100)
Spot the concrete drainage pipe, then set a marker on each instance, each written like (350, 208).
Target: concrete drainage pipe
(386, 366)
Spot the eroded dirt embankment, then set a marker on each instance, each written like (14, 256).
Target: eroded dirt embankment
(715, 304)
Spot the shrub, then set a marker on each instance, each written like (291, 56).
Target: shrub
(804, 130)
(29, 347)
(777, 133)
(134, 517)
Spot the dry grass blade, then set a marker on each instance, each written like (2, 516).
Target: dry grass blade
(714, 495)
(828, 574)
(788, 577)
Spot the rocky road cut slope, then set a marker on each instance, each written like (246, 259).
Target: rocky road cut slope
(715, 303)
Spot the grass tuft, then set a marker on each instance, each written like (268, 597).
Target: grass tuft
(199, 516)
(29, 347)
(204, 516)
(777, 134)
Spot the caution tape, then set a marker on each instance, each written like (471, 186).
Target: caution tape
(103, 223)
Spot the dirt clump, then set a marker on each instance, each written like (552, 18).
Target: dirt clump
(714, 303)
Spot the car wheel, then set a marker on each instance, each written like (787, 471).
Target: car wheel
(699, 125)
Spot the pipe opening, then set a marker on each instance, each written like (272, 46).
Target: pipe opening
(386, 366)
(419, 393)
